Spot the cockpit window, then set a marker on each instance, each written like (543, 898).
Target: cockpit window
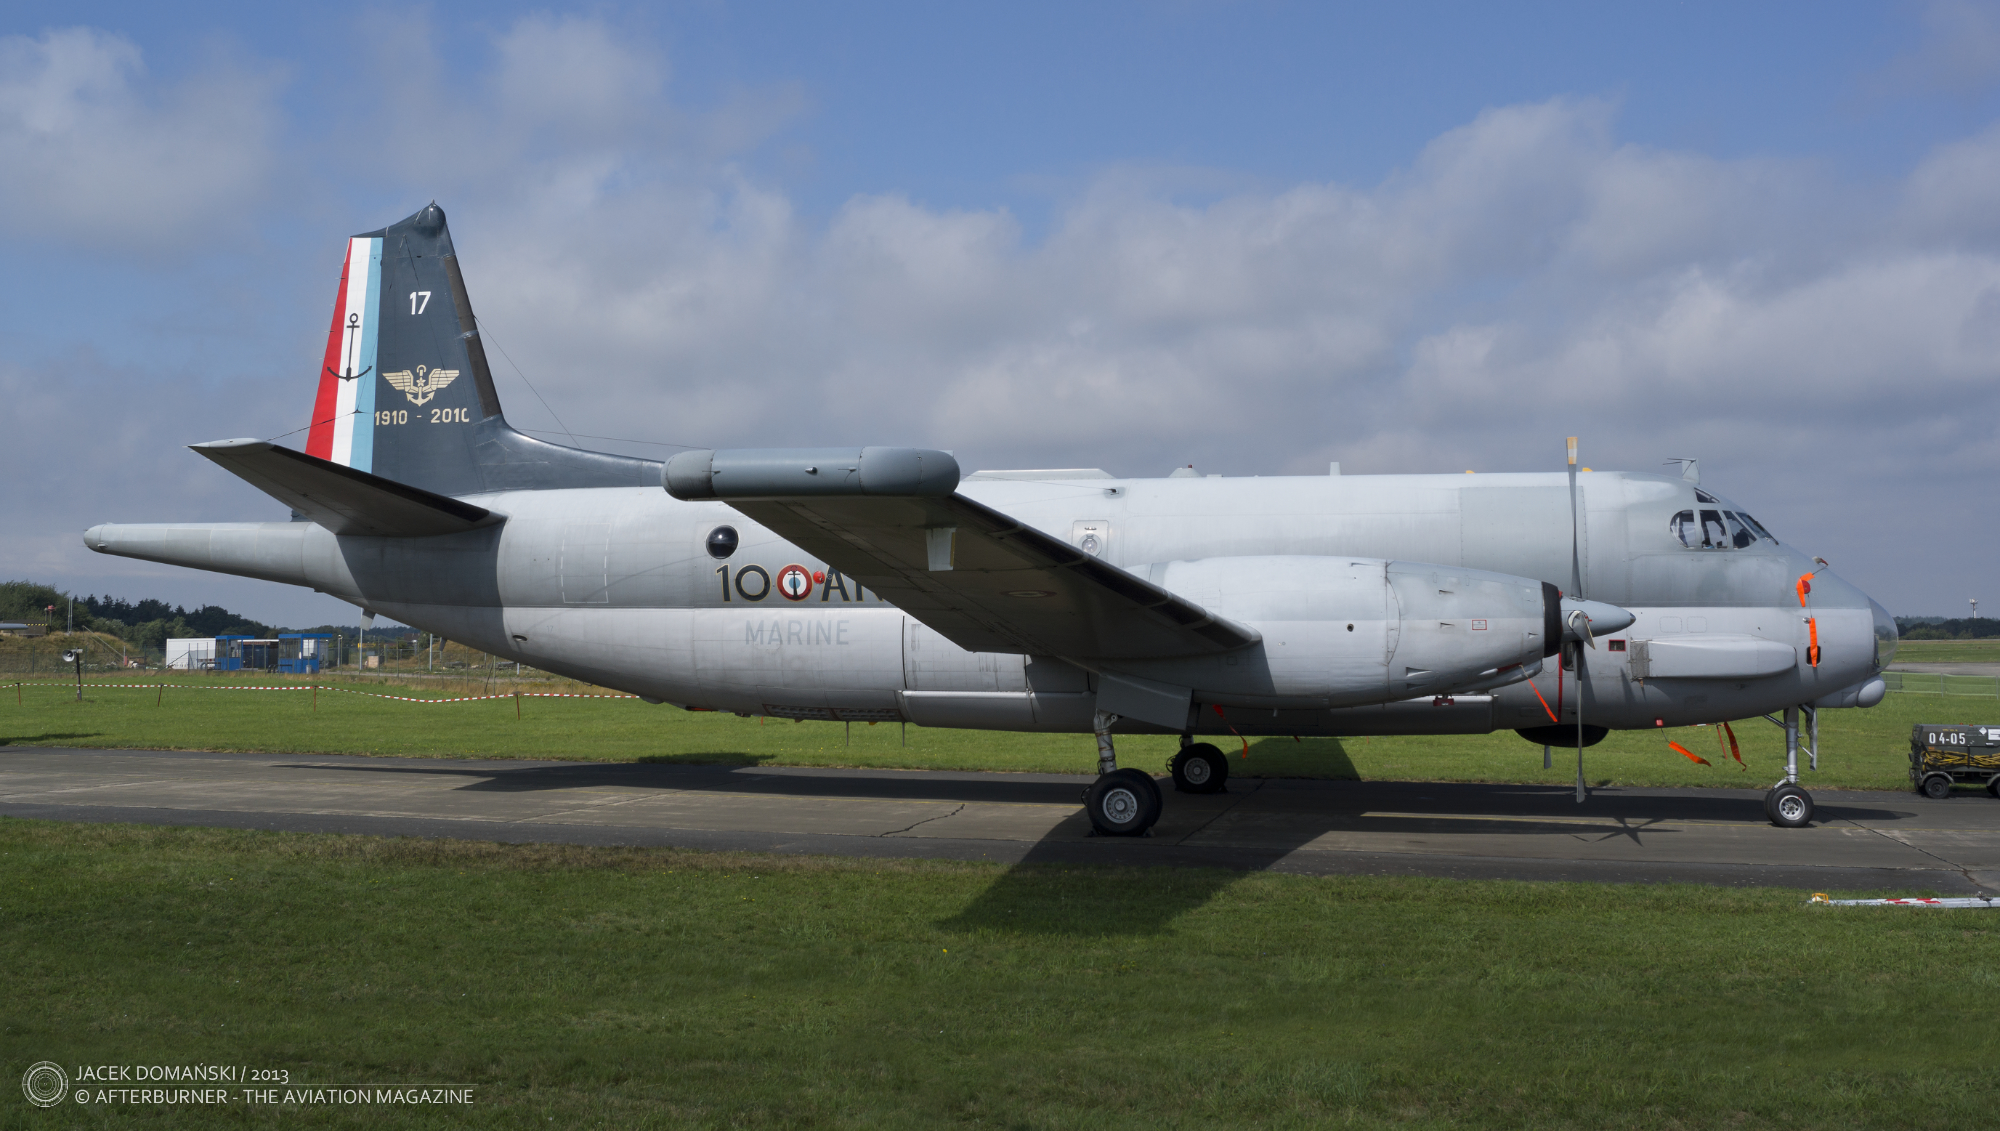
(1701, 496)
(1707, 529)
(1739, 534)
(1756, 526)
(1685, 529)
(1712, 534)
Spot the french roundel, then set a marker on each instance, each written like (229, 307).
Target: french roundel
(795, 582)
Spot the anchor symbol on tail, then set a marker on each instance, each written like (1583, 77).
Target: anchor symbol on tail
(353, 325)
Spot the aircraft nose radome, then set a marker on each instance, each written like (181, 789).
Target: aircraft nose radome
(94, 537)
(1604, 618)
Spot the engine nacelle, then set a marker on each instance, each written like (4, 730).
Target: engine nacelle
(1346, 632)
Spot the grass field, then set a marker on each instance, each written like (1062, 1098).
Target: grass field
(1862, 749)
(630, 988)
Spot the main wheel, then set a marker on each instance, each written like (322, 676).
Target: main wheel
(1993, 785)
(1789, 806)
(1200, 768)
(1937, 787)
(1122, 803)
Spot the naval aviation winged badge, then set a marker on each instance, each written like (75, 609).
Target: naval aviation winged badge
(421, 385)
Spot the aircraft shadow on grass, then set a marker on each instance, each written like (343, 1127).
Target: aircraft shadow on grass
(34, 739)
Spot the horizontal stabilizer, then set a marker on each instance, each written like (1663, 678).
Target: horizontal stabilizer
(890, 518)
(342, 499)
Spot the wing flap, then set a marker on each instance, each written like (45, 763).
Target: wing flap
(340, 498)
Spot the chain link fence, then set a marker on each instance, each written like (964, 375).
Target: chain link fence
(1933, 683)
(429, 667)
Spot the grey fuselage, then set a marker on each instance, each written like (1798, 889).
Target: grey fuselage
(614, 585)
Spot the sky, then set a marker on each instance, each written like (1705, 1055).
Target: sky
(1254, 237)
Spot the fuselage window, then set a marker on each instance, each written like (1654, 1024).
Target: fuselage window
(722, 542)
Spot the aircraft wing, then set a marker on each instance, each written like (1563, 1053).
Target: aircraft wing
(340, 498)
(891, 519)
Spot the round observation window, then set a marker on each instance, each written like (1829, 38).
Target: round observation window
(721, 542)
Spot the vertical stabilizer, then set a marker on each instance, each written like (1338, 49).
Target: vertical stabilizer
(405, 391)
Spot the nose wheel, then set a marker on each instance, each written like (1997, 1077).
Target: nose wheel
(1789, 806)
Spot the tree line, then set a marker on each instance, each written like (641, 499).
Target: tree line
(1947, 628)
(147, 624)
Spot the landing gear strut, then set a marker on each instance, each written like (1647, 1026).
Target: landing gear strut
(1788, 805)
(1119, 802)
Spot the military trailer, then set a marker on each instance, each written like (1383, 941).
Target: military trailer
(1945, 754)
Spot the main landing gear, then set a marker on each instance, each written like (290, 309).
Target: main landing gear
(1788, 805)
(1200, 768)
(1119, 802)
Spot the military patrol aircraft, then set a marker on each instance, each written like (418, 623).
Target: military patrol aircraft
(881, 583)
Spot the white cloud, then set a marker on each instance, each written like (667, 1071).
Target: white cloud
(93, 153)
(1527, 276)
(1959, 51)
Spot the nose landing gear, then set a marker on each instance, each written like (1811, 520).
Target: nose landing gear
(1119, 802)
(1788, 805)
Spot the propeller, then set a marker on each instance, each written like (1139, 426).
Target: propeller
(1582, 621)
(1577, 619)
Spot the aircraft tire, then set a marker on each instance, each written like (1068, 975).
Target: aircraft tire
(1201, 768)
(1122, 803)
(1789, 807)
(1993, 786)
(1937, 787)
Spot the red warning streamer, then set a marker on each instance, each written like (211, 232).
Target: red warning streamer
(1225, 722)
(1804, 588)
(1545, 702)
(1735, 751)
(1686, 753)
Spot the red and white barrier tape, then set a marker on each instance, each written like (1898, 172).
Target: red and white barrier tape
(153, 686)
(325, 687)
(1977, 901)
(477, 698)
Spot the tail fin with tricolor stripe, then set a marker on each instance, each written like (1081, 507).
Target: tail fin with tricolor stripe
(405, 392)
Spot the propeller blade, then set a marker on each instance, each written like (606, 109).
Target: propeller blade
(1575, 537)
(1581, 793)
(1578, 621)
